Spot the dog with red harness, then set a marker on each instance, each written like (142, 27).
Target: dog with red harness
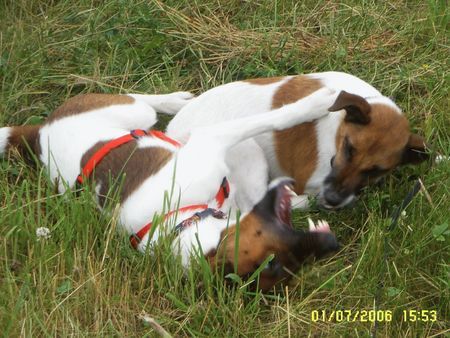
(105, 140)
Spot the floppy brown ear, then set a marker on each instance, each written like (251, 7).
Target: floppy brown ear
(357, 108)
(415, 150)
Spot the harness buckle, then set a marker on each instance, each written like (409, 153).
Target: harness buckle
(138, 133)
(135, 240)
(225, 187)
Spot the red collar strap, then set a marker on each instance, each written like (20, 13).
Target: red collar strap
(222, 194)
(137, 237)
(113, 144)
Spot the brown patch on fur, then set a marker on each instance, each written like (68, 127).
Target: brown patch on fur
(211, 253)
(296, 147)
(24, 138)
(265, 80)
(87, 102)
(257, 249)
(379, 144)
(251, 251)
(136, 164)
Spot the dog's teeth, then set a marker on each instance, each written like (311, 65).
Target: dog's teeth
(290, 191)
(312, 227)
(324, 225)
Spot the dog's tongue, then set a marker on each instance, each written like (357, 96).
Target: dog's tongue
(322, 226)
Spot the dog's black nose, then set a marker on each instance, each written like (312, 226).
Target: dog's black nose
(333, 198)
(327, 244)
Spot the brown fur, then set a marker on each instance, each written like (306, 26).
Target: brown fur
(136, 164)
(24, 137)
(252, 239)
(296, 147)
(357, 108)
(255, 245)
(380, 143)
(87, 102)
(265, 80)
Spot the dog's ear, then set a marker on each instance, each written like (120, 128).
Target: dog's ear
(415, 150)
(356, 107)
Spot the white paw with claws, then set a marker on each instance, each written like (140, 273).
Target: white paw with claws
(322, 226)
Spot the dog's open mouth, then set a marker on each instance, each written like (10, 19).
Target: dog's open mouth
(283, 210)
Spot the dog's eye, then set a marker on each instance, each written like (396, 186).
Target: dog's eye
(349, 150)
(269, 266)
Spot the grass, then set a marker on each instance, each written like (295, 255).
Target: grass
(86, 280)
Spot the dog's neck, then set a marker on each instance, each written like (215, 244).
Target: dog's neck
(204, 233)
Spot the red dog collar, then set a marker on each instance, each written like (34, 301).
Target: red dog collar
(222, 194)
(87, 170)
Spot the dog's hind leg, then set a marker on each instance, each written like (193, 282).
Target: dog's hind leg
(166, 103)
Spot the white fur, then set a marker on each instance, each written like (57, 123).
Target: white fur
(343, 81)
(227, 102)
(167, 103)
(242, 99)
(242, 159)
(64, 141)
(4, 135)
(326, 129)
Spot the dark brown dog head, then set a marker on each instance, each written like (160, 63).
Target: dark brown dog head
(267, 230)
(373, 139)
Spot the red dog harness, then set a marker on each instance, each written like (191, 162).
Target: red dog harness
(113, 144)
(87, 170)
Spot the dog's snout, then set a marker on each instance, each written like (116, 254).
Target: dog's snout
(328, 244)
(333, 197)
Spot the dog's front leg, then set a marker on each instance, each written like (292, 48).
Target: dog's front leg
(229, 133)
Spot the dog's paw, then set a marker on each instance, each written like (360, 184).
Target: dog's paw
(176, 101)
(323, 98)
(319, 102)
(182, 95)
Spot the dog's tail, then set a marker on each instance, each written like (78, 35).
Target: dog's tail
(22, 138)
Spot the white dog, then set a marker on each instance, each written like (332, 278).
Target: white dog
(333, 157)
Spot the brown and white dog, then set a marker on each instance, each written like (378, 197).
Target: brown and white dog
(91, 134)
(333, 157)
